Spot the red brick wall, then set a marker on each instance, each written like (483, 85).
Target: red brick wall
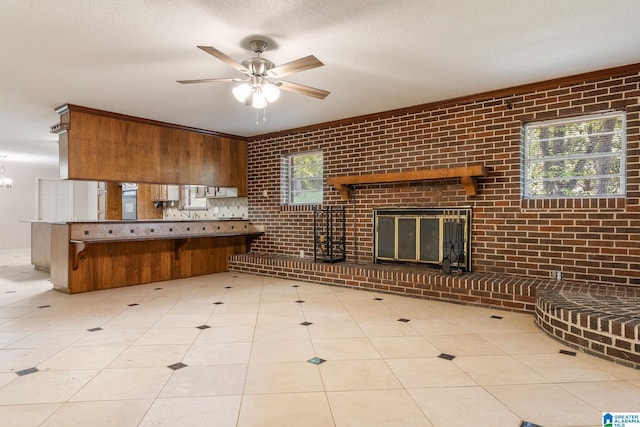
(590, 240)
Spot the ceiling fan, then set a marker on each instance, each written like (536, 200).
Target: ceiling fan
(263, 78)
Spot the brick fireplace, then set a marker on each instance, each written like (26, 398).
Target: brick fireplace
(587, 240)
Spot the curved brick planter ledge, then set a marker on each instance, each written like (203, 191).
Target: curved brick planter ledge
(600, 320)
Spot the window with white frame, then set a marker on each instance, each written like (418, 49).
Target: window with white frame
(580, 157)
(302, 178)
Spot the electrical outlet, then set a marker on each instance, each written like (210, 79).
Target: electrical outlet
(556, 275)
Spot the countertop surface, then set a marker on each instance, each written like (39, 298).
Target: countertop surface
(166, 237)
(136, 221)
(111, 231)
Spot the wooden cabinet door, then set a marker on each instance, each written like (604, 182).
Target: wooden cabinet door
(158, 192)
(145, 203)
(230, 165)
(114, 201)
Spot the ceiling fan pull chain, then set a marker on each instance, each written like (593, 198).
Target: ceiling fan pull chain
(264, 114)
(257, 118)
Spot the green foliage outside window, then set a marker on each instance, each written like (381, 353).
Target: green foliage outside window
(582, 157)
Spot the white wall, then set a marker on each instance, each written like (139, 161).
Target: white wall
(19, 204)
(85, 200)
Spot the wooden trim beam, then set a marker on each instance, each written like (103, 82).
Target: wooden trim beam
(101, 113)
(468, 177)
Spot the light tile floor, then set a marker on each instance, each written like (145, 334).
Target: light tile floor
(102, 358)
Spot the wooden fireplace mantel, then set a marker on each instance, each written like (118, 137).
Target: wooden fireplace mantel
(468, 178)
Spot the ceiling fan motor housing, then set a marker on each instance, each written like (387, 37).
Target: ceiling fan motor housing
(258, 66)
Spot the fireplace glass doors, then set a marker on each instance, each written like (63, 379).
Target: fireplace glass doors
(439, 237)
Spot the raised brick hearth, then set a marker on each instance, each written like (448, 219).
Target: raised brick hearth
(506, 292)
(603, 320)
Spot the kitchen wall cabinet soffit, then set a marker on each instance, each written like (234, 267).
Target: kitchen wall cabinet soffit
(99, 145)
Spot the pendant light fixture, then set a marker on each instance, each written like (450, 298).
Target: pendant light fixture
(5, 181)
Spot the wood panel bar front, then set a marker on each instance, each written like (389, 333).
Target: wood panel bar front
(86, 256)
(113, 264)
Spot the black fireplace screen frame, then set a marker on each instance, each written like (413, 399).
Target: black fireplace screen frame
(436, 237)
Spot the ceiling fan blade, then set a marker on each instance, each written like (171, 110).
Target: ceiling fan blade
(224, 58)
(184, 82)
(302, 64)
(302, 89)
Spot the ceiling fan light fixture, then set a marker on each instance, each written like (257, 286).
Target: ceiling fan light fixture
(259, 99)
(271, 92)
(241, 92)
(262, 83)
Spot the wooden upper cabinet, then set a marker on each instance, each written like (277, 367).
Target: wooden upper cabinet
(231, 161)
(103, 146)
(165, 193)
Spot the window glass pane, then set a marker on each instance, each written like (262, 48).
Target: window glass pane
(307, 158)
(307, 184)
(304, 178)
(304, 171)
(583, 157)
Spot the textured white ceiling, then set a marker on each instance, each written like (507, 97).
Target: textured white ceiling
(125, 56)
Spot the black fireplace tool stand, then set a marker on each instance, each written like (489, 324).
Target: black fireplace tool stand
(329, 231)
(453, 242)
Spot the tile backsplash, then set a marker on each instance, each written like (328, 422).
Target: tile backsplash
(232, 207)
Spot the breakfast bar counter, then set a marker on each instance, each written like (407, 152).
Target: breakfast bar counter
(86, 256)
